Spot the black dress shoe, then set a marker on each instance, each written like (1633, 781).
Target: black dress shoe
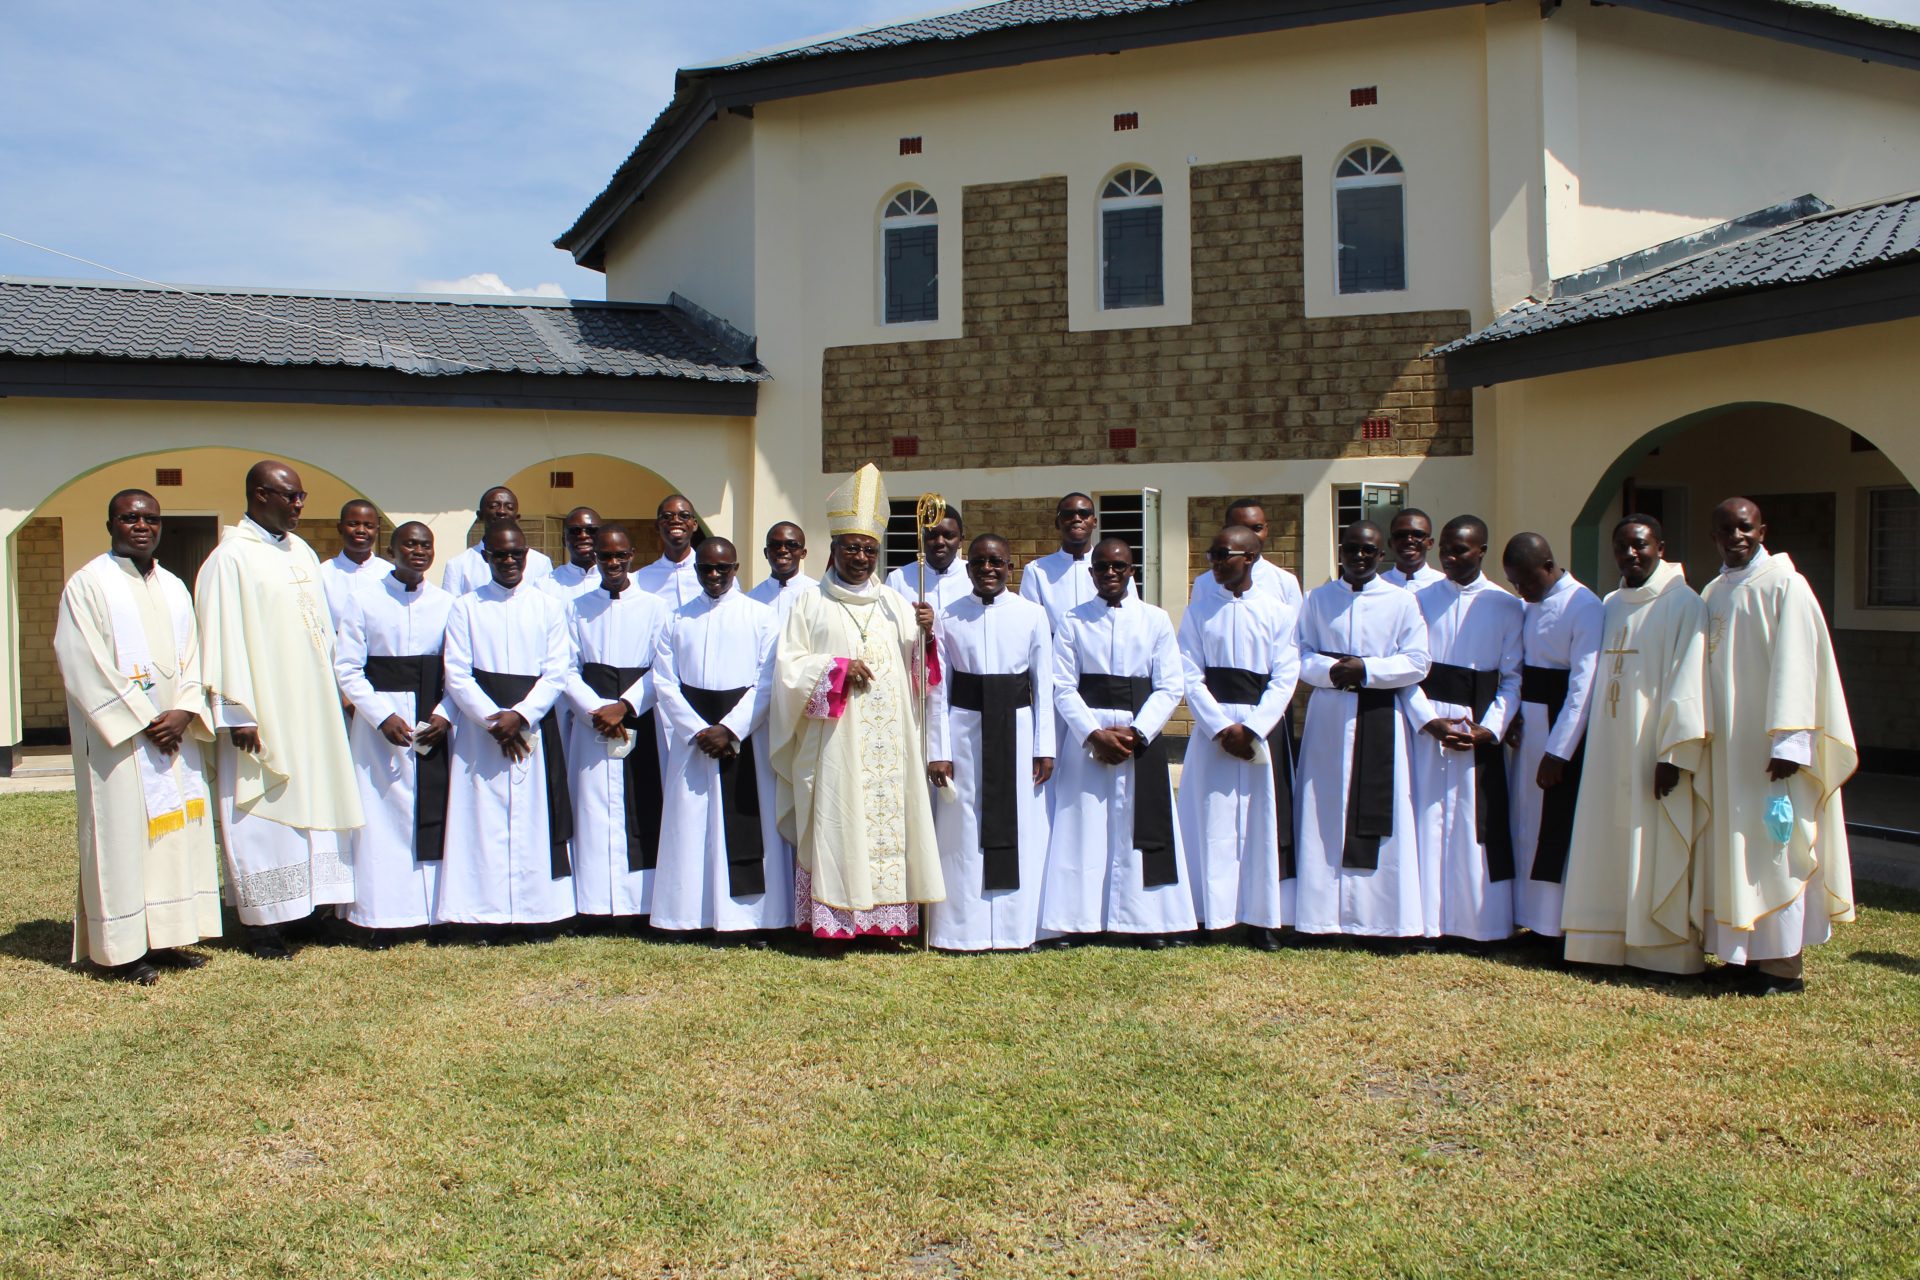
(170, 958)
(138, 972)
(1154, 942)
(1263, 939)
(265, 943)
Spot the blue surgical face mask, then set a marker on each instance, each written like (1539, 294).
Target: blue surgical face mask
(1780, 818)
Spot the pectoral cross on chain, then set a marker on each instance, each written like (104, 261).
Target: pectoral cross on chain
(1619, 652)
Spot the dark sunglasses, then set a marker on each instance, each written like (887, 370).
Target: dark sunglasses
(786, 544)
(717, 566)
(1112, 566)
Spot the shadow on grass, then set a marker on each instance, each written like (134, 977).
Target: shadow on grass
(1886, 897)
(1897, 961)
(45, 941)
(1544, 954)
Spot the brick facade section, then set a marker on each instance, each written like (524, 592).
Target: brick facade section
(1284, 511)
(1252, 378)
(40, 576)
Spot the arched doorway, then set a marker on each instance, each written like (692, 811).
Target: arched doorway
(1844, 511)
(621, 492)
(200, 490)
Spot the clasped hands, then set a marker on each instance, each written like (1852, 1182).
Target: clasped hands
(167, 729)
(396, 730)
(1453, 737)
(1116, 745)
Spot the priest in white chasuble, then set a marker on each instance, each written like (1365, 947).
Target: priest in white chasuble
(992, 749)
(1241, 650)
(469, 570)
(785, 551)
(129, 655)
(846, 726)
(1644, 789)
(613, 739)
(1772, 875)
(390, 670)
(356, 565)
(1113, 859)
(1560, 656)
(509, 818)
(723, 865)
(288, 796)
(1363, 647)
(581, 572)
(1462, 707)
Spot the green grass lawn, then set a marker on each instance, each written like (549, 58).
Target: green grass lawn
(602, 1106)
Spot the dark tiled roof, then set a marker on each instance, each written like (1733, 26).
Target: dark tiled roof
(417, 334)
(1835, 243)
(955, 24)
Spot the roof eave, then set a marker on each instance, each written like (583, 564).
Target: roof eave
(1858, 298)
(1828, 31)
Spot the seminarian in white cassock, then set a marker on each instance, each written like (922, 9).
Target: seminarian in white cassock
(992, 721)
(1460, 781)
(613, 739)
(1113, 861)
(1241, 650)
(723, 865)
(389, 667)
(1363, 646)
(508, 817)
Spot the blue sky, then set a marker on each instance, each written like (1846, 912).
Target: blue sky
(405, 145)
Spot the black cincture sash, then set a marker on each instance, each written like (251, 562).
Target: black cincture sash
(1466, 687)
(996, 698)
(1245, 688)
(640, 771)
(739, 796)
(1371, 783)
(507, 691)
(1152, 782)
(421, 675)
(1549, 685)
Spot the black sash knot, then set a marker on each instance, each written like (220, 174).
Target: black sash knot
(640, 771)
(421, 675)
(1245, 688)
(1466, 687)
(1548, 685)
(739, 796)
(1370, 785)
(1152, 781)
(997, 698)
(507, 691)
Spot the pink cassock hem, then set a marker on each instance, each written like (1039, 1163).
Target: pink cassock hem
(888, 920)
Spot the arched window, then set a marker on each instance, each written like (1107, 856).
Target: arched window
(910, 257)
(1370, 217)
(1130, 224)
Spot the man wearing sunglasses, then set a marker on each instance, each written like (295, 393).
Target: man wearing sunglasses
(1363, 646)
(470, 568)
(672, 576)
(1409, 539)
(613, 631)
(581, 573)
(785, 550)
(1059, 581)
(1113, 862)
(288, 797)
(1268, 578)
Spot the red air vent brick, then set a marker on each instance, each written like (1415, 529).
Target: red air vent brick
(167, 477)
(1377, 429)
(1366, 97)
(909, 146)
(559, 479)
(1123, 437)
(906, 446)
(1125, 120)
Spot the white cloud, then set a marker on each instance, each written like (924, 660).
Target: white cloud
(489, 282)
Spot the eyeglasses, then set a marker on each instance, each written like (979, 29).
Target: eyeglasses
(1358, 551)
(1111, 566)
(988, 562)
(291, 495)
(678, 517)
(521, 554)
(716, 566)
(1217, 554)
(612, 557)
(138, 517)
(785, 544)
(581, 528)
(1403, 535)
(855, 551)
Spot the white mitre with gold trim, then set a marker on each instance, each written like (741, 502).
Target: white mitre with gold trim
(859, 505)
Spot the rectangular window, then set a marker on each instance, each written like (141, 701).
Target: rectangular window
(1130, 244)
(913, 274)
(1373, 257)
(902, 543)
(1135, 517)
(1893, 548)
(1376, 502)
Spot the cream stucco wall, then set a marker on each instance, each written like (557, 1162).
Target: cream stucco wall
(1681, 126)
(1567, 439)
(414, 464)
